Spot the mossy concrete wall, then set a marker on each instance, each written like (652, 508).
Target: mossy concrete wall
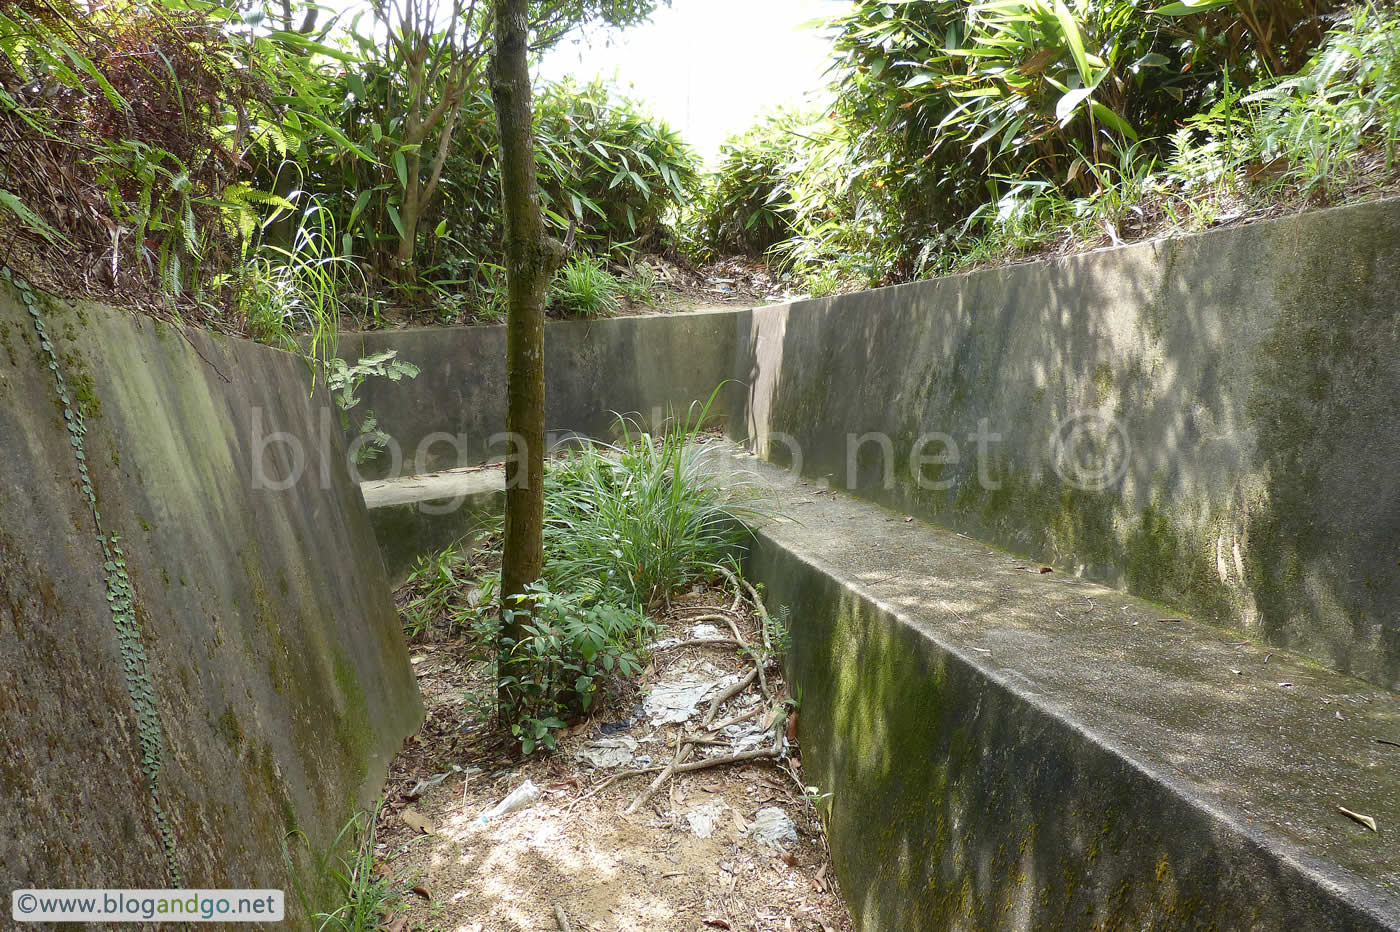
(279, 685)
(1255, 375)
(453, 414)
(978, 788)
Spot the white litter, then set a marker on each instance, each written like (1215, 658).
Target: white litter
(772, 826)
(606, 753)
(524, 796)
(677, 700)
(704, 818)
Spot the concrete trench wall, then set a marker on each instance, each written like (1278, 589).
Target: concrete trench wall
(453, 414)
(959, 800)
(1235, 393)
(279, 685)
(1254, 373)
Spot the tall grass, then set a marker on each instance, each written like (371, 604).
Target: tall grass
(301, 288)
(637, 520)
(363, 895)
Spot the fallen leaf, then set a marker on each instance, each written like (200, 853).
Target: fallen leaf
(1046, 569)
(717, 923)
(1358, 817)
(739, 822)
(1286, 684)
(398, 925)
(908, 518)
(416, 820)
(788, 858)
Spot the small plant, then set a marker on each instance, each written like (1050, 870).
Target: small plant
(492, 299)
(572, 644)
(823, 283)
(301, 289)
(640, 285)
(365, 895)
(642, 518)
(451, 592)
(344, 380)
(585, 287)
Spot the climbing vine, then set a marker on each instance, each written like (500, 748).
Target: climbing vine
(120, 598)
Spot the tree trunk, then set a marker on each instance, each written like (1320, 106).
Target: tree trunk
(531, 260)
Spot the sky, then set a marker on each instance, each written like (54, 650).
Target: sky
(709, 67)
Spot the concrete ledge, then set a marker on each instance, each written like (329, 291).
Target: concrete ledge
(417, 516)
(1007, 748)
(1208, 422)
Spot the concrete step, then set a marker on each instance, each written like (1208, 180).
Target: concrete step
(1012, 748)
(1007, 748)
(416, 516)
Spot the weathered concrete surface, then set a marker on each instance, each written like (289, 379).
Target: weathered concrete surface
(1009, 749)
(453, 414)
(416, 516)
(281, 682)
(1255, 373)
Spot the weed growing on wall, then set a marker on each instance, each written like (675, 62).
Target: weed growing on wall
(344, 380)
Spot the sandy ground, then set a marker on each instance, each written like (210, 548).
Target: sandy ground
(575, 850)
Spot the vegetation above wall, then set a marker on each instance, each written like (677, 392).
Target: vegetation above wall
(968, 134)
(273, 170)
(277, 171)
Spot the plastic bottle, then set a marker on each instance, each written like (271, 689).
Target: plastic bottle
(524, 795)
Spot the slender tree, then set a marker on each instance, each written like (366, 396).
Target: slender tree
(532, 256)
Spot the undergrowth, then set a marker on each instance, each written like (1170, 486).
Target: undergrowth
(626, 525)
(347, 877)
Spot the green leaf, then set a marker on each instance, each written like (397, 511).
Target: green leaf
(360, 203)
(394, 218)
(1187, 8)
(401, 169)
(14, 205)
(1070, 26)
(441, 229)
(1068, 104)
(1109, 118)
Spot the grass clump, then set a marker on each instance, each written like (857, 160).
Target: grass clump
(585, 287)
(366, 896)
(637, 520)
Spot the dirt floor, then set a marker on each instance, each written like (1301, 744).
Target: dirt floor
(692, 857)
(727, 283)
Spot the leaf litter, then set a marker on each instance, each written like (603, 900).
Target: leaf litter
(708, 844)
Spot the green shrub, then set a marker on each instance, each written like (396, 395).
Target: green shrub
(747, 206)
(609, 164)
(947, 104)
(572, 645)
(1344, 101)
